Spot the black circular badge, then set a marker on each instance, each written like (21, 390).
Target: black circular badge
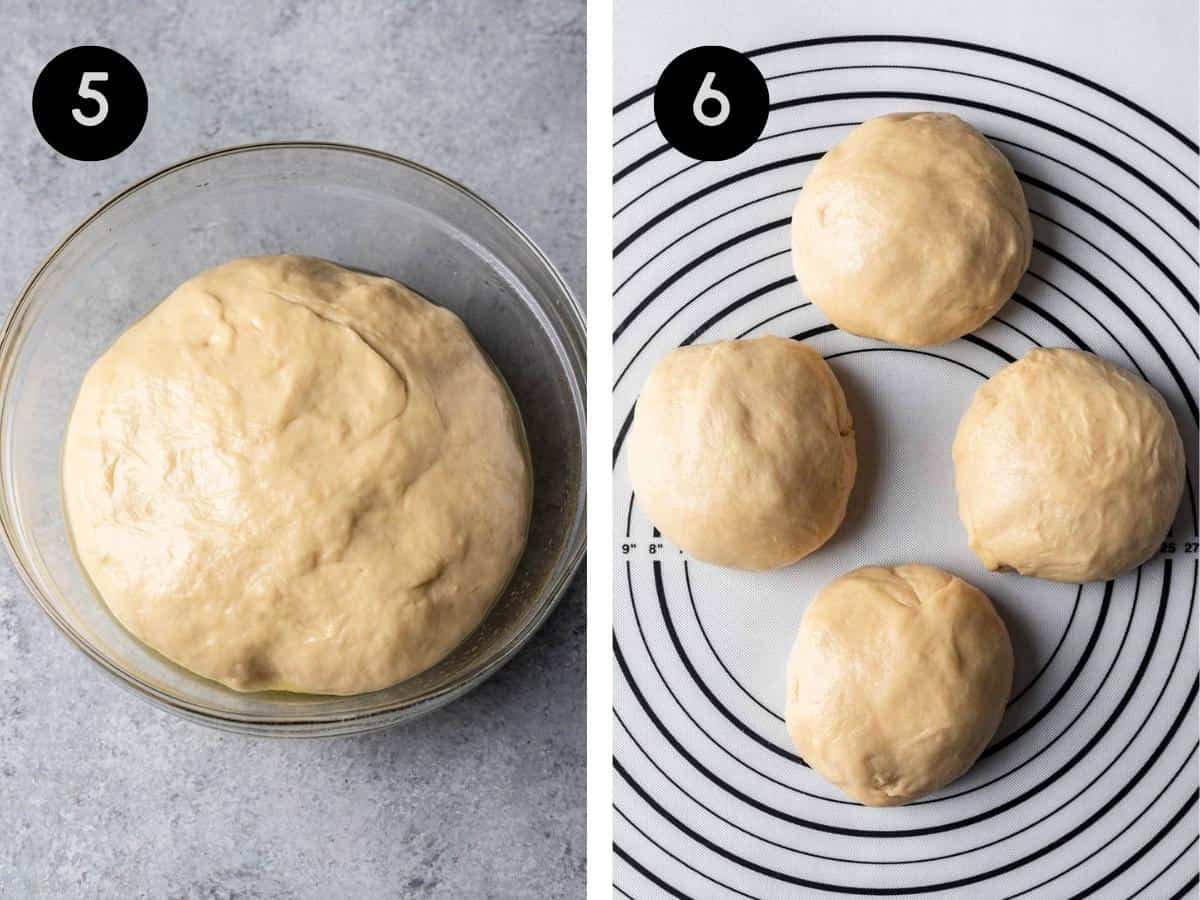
(711, 103)
(90, 103)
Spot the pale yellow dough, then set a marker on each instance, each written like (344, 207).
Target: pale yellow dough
(1067, 468)
(742, 452)
(913, 230)
(293, 476)
(897, 681)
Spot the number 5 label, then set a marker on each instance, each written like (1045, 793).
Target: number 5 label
(87, 92)
(90, 103)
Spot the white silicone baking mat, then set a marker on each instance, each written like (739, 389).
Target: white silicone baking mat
(1090, 786)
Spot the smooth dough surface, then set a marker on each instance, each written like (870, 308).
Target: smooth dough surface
(1067, 467)
(293, 476)
(913, 229)
(742, 452)
(897, 681)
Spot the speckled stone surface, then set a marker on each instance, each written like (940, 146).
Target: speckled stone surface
(102, 795)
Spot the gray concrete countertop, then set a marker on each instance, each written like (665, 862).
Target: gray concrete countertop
(104, 796)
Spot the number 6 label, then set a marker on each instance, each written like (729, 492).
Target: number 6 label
(89, 103)
(710, 122)
(706, 93)
(87, 92)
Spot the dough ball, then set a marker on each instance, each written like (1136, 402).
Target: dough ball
(897, 681)
(1067, 467)
(742, 452)
(913, 230)
(293, 476)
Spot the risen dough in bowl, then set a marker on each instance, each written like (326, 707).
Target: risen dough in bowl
(1067, 468)
(293, 476)
(913, 230)
(742, 452)
(897, 681)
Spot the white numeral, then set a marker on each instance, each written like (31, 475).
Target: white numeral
(87, 92)
(708, 92)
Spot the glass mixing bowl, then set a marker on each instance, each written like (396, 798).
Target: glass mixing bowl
(360, 208)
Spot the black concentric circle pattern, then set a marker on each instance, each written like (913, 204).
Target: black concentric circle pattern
(1090, 785)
